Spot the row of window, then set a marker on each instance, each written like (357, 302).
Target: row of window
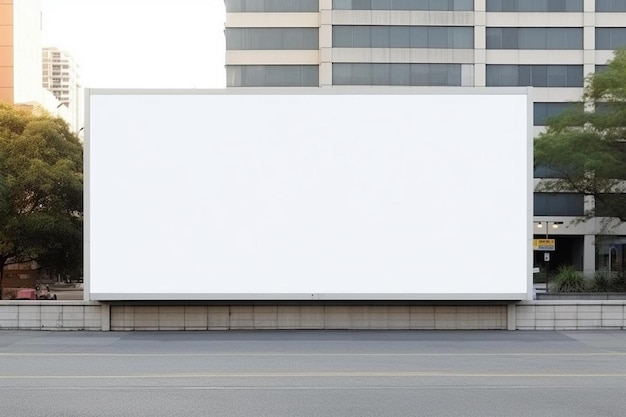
(558, 204)
(272, 75)
(534, 5)
(534, 38)
(456, 37)
(272, 38)
(433, 5)
(270, 6)
(403, 74)
(571, 204)
(412, 74)
(542, 112)
(428, 5)
(534, 75)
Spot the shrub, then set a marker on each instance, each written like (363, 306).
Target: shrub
(601, 283)
(618, 281)
(568, 279)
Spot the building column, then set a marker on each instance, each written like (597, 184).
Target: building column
(326, 43)
(480, 43)
(589, 37)
(589, 256)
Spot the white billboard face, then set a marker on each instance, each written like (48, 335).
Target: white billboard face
(318, 195)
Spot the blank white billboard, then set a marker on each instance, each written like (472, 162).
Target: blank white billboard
(307, 194)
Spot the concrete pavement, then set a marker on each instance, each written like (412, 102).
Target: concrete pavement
(313, 373)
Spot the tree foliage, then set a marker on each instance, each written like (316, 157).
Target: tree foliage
(41, 192)
(585, 146)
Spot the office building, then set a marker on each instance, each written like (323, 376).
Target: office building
(548, 44)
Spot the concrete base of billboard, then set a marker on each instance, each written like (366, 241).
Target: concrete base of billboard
(537, 315)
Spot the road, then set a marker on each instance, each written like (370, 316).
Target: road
(313, 373)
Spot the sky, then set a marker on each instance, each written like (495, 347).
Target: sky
(140, 43)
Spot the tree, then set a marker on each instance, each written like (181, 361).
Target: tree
(585, 146)
(41, 192)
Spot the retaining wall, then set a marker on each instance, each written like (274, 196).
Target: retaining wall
(537, 315)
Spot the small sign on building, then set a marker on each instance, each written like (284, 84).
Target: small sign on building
(544, 244)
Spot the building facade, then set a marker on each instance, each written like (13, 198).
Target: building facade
(21, 59)
(61, 76)
(550, 45)
(20, 51)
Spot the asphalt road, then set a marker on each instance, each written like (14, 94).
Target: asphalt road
(313, 373)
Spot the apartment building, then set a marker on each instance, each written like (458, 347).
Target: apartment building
(61, 76)
(548, 44)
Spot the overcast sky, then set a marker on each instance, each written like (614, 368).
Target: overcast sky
(140, 43)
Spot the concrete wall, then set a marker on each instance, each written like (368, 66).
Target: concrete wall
(538, 315)
(50, 315)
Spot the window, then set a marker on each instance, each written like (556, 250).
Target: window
(542, 111)
(428, 5)
(535, 5)
(547, 172)
(534, 38)
(535, 75)
(272, 75)
(610, 6)
(272, 6)
(600, 68)
(457, 37)
(608, 205)
(558, 204)
(610, 38)
(403, 74)
(271, 38)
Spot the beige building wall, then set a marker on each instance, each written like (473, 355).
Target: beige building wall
(27, 38)
(6, 51)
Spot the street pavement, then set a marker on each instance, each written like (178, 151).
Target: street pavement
(313, 373)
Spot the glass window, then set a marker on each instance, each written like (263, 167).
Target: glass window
(610, 38)
(419, 36)
(434, 5)
(610, 6)
(271, 38)
(534, 38)
(534, 75)
(558, 204)
(437, 37)
(397, 74)
(379, 5)
(545, 172)
(272, 75)
(342, 36)
(400, 74)
(380, 36)
(361, 36)
(509, 38)
(273, 5)
(542, 111)
(460, 37)
(400, 36)
(535, 5)
(600, 68)
(606, 204)
(380, 74)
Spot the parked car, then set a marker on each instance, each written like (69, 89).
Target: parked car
(40, 292)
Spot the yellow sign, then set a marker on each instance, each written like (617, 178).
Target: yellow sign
(544, 244)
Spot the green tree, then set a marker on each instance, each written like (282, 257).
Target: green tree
(585, 146)
(41, 192)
